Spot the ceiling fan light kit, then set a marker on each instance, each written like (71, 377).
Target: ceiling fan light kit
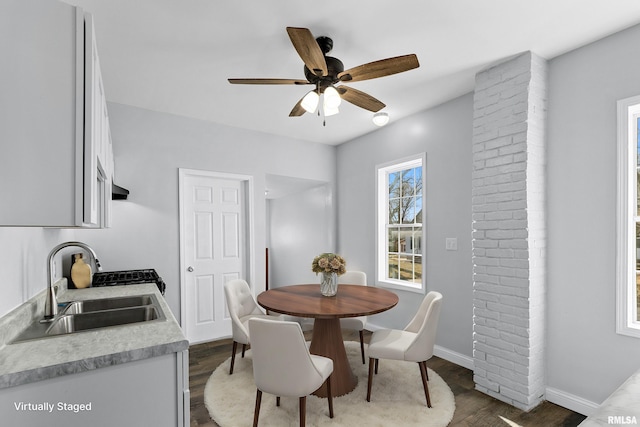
(328, 111)
(310, 101)
(324, 72)
(331, 98)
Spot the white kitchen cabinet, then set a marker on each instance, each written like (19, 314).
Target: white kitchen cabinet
(54, 128)
(97, 136)
(148, 392)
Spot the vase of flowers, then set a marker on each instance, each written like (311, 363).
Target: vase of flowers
(330, 266)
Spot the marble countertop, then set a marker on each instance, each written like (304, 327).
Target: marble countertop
(41, 359)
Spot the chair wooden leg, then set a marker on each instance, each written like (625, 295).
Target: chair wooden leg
(377, 360)
(423, 374)
(277, 400)
(244, 347)
(329, 396)
(233, 356)
(303, 411)
(362, 345)
(256, 412)
(371, 363)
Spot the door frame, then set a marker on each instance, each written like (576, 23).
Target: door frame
(247, 182)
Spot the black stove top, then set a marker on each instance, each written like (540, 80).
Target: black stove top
(128, 277)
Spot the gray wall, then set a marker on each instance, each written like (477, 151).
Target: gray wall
(301, 226)
(585, 356)
(444, 133)
(23, 259)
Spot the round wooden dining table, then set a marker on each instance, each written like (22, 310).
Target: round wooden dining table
(326, 340)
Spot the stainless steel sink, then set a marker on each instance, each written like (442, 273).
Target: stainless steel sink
(76, 307)
(88, 315)
(70, 323)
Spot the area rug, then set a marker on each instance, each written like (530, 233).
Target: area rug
(397, 398)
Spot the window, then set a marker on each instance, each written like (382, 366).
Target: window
(400, 231)
(628, 226)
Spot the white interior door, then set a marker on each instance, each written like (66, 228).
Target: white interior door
(213, 237)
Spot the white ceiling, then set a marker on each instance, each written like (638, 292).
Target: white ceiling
(175, 56)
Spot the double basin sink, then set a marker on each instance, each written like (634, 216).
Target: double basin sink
(88, 315)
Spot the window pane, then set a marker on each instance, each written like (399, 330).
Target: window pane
(408, 182)
(394, 184)
(637, 296)
(393, 266)
(408, 210)
(638, 167)
(637, 293)
(393, 240)
(637, 192)
(406, 267)
(405, 241)
(638, 142)
(418, 187)
(394, 211)
(417, 277)
(419, 209)
(417, 240)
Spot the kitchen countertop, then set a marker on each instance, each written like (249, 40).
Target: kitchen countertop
(41, 359)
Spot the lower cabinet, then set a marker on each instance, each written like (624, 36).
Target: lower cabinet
(149, 392)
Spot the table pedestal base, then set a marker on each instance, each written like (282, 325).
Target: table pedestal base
(327, 341)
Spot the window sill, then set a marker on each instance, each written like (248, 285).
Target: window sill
(418, 289)
(629, 330)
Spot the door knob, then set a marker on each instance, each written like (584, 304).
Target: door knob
(190, 269)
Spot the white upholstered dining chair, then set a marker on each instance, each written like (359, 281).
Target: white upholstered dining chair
(355, 323)
(413, 344)
(283, 366)
(242, 307)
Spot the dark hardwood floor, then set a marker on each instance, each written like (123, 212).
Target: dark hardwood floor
(472, 407)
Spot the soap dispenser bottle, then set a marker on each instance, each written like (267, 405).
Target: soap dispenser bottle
(80, 272)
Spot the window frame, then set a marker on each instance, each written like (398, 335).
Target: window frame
(626, 299)
(382, 215)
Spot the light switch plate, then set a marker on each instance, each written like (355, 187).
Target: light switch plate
(451, 243)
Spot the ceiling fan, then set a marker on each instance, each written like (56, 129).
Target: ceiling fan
(324, 72)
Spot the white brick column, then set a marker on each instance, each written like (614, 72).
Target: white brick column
(509, 231)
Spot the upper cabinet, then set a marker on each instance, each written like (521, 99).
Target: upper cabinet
(56, 159)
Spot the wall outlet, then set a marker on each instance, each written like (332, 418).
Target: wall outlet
(451, 243)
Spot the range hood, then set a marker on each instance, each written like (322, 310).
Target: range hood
(118, 193)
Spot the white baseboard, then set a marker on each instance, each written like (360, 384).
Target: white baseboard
(570, 401)
(453, 357)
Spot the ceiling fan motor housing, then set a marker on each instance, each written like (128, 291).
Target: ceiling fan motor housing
(334, 67)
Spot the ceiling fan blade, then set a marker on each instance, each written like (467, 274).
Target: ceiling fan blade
(297, 110)
(268, 82)
(308, 49)
(381, 68)
(360, 99)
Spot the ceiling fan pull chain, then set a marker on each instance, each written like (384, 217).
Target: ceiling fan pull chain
(324, 116)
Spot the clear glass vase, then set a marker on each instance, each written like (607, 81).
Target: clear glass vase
(329, 284)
